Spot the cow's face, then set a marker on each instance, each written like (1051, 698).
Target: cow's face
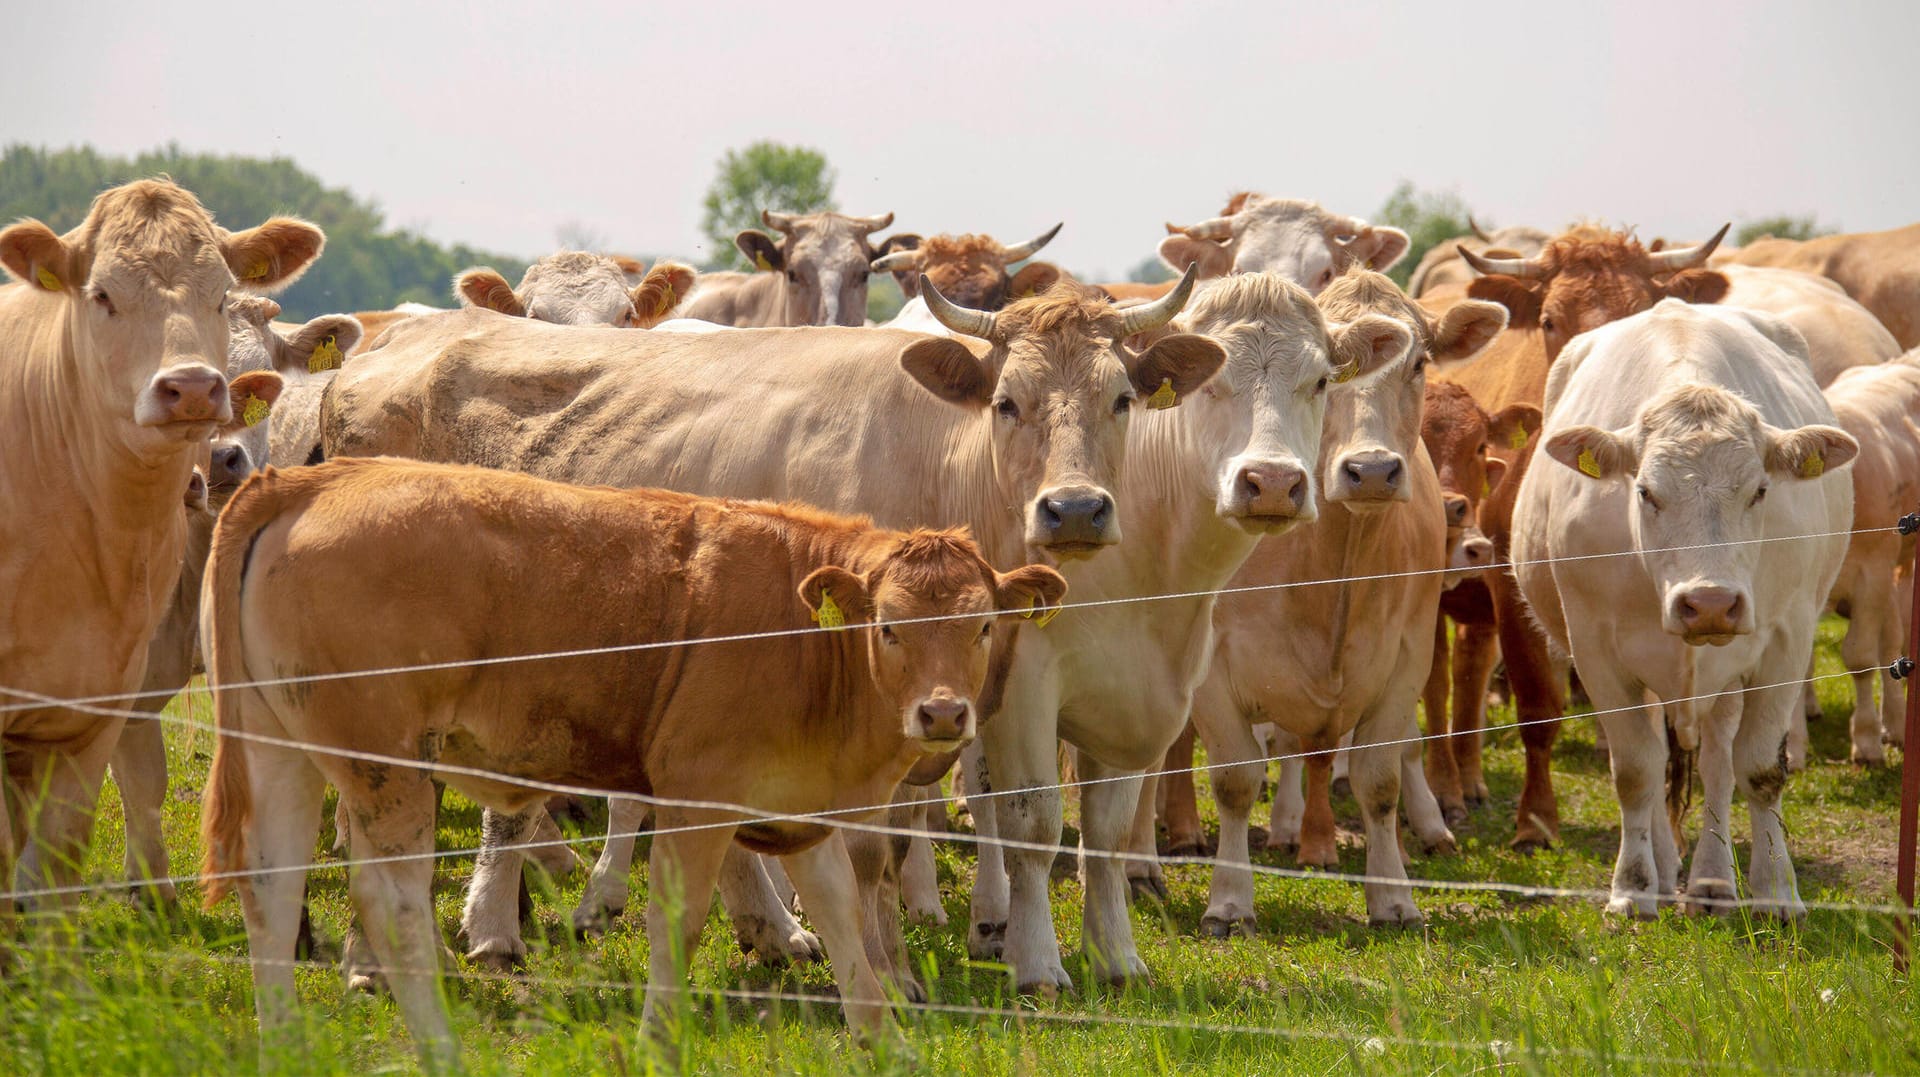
(242, 442)
(930, 610)
(576, 288)
(1700, 462)
(1296, 239)
(970, 270)
(1459, 436)
(1260, 417)
(144, 280)
(825, 258)
(1059, 389)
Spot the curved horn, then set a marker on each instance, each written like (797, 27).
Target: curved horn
(1218, 229)
(1479, 232)
(1031, 247)
(863, 225)
(896, 262)
(1524, 268)
(1686, 257)
(779, 222)
(963, 320)
(1161, 311)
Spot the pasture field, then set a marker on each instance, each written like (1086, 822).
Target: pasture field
(1493, 983)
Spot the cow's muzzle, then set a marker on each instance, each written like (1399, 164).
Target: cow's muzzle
(192, 393)
(941, 722)
(1073, 521)
(1370, 475)
(1269, 495)
(228, 466)
(1708, 614)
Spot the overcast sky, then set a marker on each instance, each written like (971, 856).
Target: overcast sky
(496, 124)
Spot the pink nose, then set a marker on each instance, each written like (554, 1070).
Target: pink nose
(192, 394)
(943, 718)
(1273, 489)
(1709, 611)
(1476, 551)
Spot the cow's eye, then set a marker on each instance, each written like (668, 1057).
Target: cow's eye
(1123, 404)
(986, 632)
(1646, 496)
(1007, 408)
(887, 636)
(106, 304)
(1546, 324)
(1319, 386)
(1758, 496)
(1325, 278)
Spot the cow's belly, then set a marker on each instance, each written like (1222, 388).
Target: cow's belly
(1126, 693)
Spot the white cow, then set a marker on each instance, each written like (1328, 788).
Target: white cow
(1694, 438)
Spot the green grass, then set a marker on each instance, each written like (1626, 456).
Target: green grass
(118, 989)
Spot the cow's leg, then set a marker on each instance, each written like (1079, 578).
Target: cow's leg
(1861, 651)
(1473, 662)
(920, 875)
(140, 770)
(1710, 877)
(1182, 813)
(1289, 807)
(1538, 703)
(681, 871)
(783, 890)
(1020, 756)
(1317, 848)
(550, 849)
(823, 875)
(876, 860)
(1760, 766)
(762, 922)
(1443, 770)
(490, 920)
(987, 908)
(1637, 738)
(1429, 823)
(271, 898)
(1377, 768)
(9, 839)
(1342, 784)
(341, 826)
(69, 774)
(1229, 740)
(1107, 812)
(394, 899)
(1145, 876)
(605, 896)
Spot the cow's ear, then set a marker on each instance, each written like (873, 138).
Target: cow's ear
(485, 288)
(1178, 363)
(1696, 286)
(1379, 247)
(1496, 469)
(1809, 452)
(761, 250)
(35, 256)
(320, 345)
(1029, 587)
(1514, 427)
(899, 241)
(1593, 452)
(1467, 327)
(1033, 278)
(272, 256)
(835, 596)
(661, 290)
(252, 395)
(1182, 251)
(633, 269)
(949, 371)
(1520, 297)
(1366, 344)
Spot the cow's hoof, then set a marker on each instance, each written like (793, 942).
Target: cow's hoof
(1441, 844)
(1529, 844)
(499, 961)
(1147, 888)
(367, 981)
(1868, 757)
(1282, 846)
(1455, 813)
(775, 948)
(1709, 897)
(1401, 913)
(1218, 927)
(1256, 837)
(595, 922)
(1625, 907)
(1049, 983)
(1129, 971)
(1186, 847)
(911, 990)
(987, 940)
(1314, 856)
(935, 915)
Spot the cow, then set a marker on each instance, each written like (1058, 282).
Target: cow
(1880, 406)
(1442, 273)
(112, 342)
(692, 725)
(305, 357)
(579, 288)
(971, 270)
(1693, 441)
(814, 274)
(1840, 333)
(1347, 657)
(1459, 436)
(1283, 235)
(1581, 280)
(1879, 269)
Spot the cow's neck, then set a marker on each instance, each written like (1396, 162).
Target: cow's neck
(853, 721)
(1171, 534)
(964, 489)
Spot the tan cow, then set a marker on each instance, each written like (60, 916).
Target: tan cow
(111, 350)
(1330, 659)
(1880, 407)
(815, 274)
(1442, 273)
(851, 712)
(1880, 269)
(1840, 333)
(579, 288)
(1289, 236)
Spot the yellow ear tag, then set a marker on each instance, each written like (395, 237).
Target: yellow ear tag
(1346, 373)
(1040, 618)
(1813, 466)
(259, 271)
(1588, 463)
(1486, 489)
(47, 280)
(667, 299)
(1518, 439)
(255, 411)
(760, 262)
(324, 358)
(1163, 397)
(829, 615)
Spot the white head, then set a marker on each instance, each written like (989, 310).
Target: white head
(1297, 239)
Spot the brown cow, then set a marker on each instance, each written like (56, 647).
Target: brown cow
(1879, 269)
(113, 345)
(971, 270)
(1581, 280)
(579, 288)
(815, 274)
(849, 715)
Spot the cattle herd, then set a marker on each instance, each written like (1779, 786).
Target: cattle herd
(710, 545)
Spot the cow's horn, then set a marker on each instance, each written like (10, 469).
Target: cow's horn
(896, 262)
(1161, 311)
(1478, 231)
(1686, 257)
(963, 320)
(1217, 229)
(1031, 247)
(779, 222)
(1511, 267)
(864, 225)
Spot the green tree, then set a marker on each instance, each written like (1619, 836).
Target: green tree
(1151, 270)
(1428, 218)
(1780, 227)
(765, 175)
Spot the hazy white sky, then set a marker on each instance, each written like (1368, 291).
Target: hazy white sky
(496, 124)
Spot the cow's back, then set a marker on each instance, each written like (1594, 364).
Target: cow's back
(743, 300)
(1839, 332)
(1880, 407)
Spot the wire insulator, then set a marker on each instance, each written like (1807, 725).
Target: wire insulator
(1902, 668)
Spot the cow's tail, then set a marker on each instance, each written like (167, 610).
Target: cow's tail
(227, 805)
